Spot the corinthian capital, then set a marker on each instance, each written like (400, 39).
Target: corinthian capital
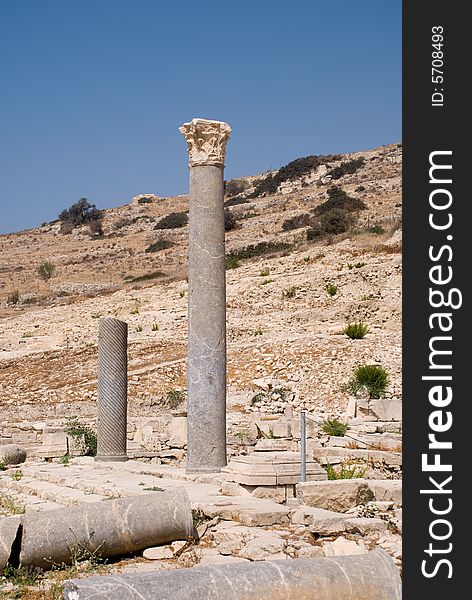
(206, 141)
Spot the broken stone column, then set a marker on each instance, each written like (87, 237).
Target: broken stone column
(206, 394)
(96, 529)
(112, 390)
(371, 576)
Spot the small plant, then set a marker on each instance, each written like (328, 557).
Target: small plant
(334, 427)
(17, 475)
(231, 262)
(267, 281)
(371, 379)
(331, 289)
(174, 398)
(139, 328)
(172, 221)
(46, 270)
(78, 430)
(155, 327)
(13, 297)
(265, 272)
(64, 460)
(20, 576)
(376, 229)
(154, 488)
(3, 466)
(344, 471)
(159, 245)
(9, 506)
(306, 259)
(269, 395)
(356, 331)
(359, 265)
(134, 311)
(290, 292)
(96, 315)
(258, 331)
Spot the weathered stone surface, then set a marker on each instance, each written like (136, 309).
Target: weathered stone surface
(387, 490)
(12, 454)
(206, 397)
(342, 547)
(371, 576)
(319, 520)
(119, 526)
(376, 457)
(271, 468)
(264, 546)
(364, 525)
(158, 553)
(381, 409)
(338, 495)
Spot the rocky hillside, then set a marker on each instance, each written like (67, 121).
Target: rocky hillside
(288, 300)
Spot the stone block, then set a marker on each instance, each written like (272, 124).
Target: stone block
(387, 490)
(338, 495)
(381, 409)
(319, 520)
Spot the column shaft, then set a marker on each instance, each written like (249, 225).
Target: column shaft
(206, 403)
(112, 390)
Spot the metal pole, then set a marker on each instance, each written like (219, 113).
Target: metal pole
(303, 446)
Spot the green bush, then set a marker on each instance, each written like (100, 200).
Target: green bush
(46, 270)
(346, 168)
(356, 331)
(336, 220)
(145, 277)
(172, 221)
(298, 221)
(314, 233)
(289, 172)
(334, 427)
(372, 379)
(331, 289)
(77, 429)
(259, 249)
(376, 229)
(337, 198)
(159, 245)
(344, 471)
(231, 262)
(174, 398)
(80, 213)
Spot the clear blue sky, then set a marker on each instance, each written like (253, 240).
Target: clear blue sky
(92, 91)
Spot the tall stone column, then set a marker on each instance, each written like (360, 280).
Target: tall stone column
(206, 388)
(112, 390)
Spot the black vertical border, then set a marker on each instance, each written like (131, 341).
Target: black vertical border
(427, 129)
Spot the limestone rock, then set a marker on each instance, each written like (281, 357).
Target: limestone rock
(342, 547)
(262, 547)
(323, 522)
(158, 553)
(387, 490)
(12, 454)
(338, 495)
